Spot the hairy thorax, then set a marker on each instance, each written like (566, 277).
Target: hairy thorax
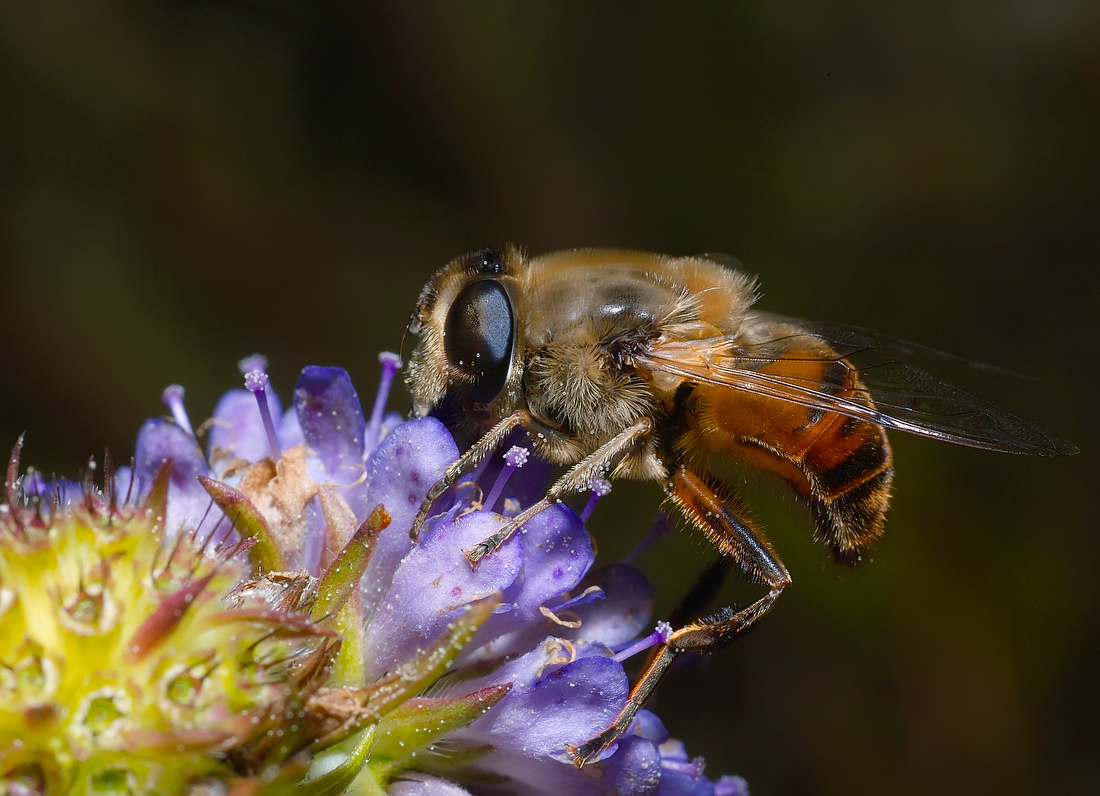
(580, 324)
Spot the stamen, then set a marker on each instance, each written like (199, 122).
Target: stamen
(391, 363)
(173, 396)
(515, 458)
(571, 621)
(256, 381)
(468, 496)
(586, 597)
(601, 488)
(661, 526)
(658, 636)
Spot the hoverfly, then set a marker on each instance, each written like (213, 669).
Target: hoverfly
(626, 364)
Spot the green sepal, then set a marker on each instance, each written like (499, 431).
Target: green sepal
(414, 676)
(418, 722)
(248, 521)
(342, 578)
(348, 668)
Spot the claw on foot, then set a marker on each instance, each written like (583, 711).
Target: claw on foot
(476, 553)
(586, 751)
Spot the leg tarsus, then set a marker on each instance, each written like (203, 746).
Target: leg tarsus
(486, 546)
(645, 686)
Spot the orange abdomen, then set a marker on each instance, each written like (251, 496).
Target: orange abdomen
(842, 466)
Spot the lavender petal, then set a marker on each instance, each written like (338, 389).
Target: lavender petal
(634, 770)
(159, 441)
(332, 421)
(431, 586)
(400, 471)
(557, 553)
(551, 704)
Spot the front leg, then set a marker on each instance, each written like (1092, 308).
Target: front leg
(466, 462)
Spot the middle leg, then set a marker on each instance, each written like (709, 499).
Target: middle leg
(577, 479)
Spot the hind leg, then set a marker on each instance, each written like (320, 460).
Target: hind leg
(749, 549)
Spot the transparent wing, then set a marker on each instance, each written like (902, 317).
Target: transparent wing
(853, 372)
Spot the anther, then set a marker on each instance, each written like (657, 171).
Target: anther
(586, 597)
(601, 488)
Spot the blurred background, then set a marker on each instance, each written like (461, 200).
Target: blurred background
(183, 184)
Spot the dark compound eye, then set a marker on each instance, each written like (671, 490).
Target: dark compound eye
(480, 334)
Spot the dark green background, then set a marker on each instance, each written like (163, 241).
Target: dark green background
(183, 184)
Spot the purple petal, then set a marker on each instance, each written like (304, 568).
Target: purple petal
(400, 472)
(125, 488)
(390, 421)
(557, 553)
(238, 428)
(158, 441)
(650, 727)
(432, 584)
(624, 613)
(550, 705)
(289, 430)
(332, 421)
(34, 485)
(634, 770)
(676, 782)
(65, 491)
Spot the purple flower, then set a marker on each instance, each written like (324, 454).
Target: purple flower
(449, 680)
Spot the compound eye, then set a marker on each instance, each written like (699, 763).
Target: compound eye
(480, 334)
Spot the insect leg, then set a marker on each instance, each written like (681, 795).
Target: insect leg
(749, 549)
(466, 462)
(735, 536)
(706, 635)
(577, 479)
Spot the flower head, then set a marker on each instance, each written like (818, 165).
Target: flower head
(254, 617)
